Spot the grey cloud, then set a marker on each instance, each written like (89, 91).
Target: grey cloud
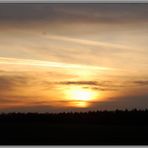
(106, 88)
(96, 85)
(8, 100)
(141, 82)
(11, 82)
(74, 12)
(106, 85)
(79, 83)
(8, 82)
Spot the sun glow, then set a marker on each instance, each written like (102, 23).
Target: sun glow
(81, 104)
(80, 97)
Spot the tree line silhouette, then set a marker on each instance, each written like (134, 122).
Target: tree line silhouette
(75, 128)
(133, 117)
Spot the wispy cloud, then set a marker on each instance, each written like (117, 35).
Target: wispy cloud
(15, 61)
(96, 85)
(141, 82)
(87, 42)
(79, 83)
(10, 82)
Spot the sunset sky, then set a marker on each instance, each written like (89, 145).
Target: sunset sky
(73, 57)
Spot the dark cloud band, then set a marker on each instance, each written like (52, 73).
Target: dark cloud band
(112, 13)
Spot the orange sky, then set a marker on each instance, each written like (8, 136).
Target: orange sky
(73, 57)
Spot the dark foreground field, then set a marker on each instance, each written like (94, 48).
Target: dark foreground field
(92, 128)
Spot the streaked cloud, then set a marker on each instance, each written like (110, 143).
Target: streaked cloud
(141, 82)
(15, 61)
(88, 42)
(79, 83)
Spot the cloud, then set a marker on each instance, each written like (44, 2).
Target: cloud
(87, 42)
(32, 90)
(10, 82)
(79, 83)
(47, 64)
(141, 82)
(106, 13)
(114, 88)
(8, 100)
(96, 85)
(106, 85)
(126, 102)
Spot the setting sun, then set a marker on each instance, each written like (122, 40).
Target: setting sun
(80, 97)
(80, 94)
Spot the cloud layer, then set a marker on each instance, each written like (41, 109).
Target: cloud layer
(74, 12)
(49, 49)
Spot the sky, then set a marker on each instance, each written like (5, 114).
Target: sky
(73, 57)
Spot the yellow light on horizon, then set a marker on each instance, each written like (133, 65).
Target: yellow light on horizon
(80, 104)
(80, 97)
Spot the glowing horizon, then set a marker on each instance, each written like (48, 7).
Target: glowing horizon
(59, 57)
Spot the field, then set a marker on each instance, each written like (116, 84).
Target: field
(92, 128)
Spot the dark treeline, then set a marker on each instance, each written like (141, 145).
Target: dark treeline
(75, 128)
(133, 117)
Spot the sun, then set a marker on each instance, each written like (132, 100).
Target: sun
(80, 97)
(81, 94)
